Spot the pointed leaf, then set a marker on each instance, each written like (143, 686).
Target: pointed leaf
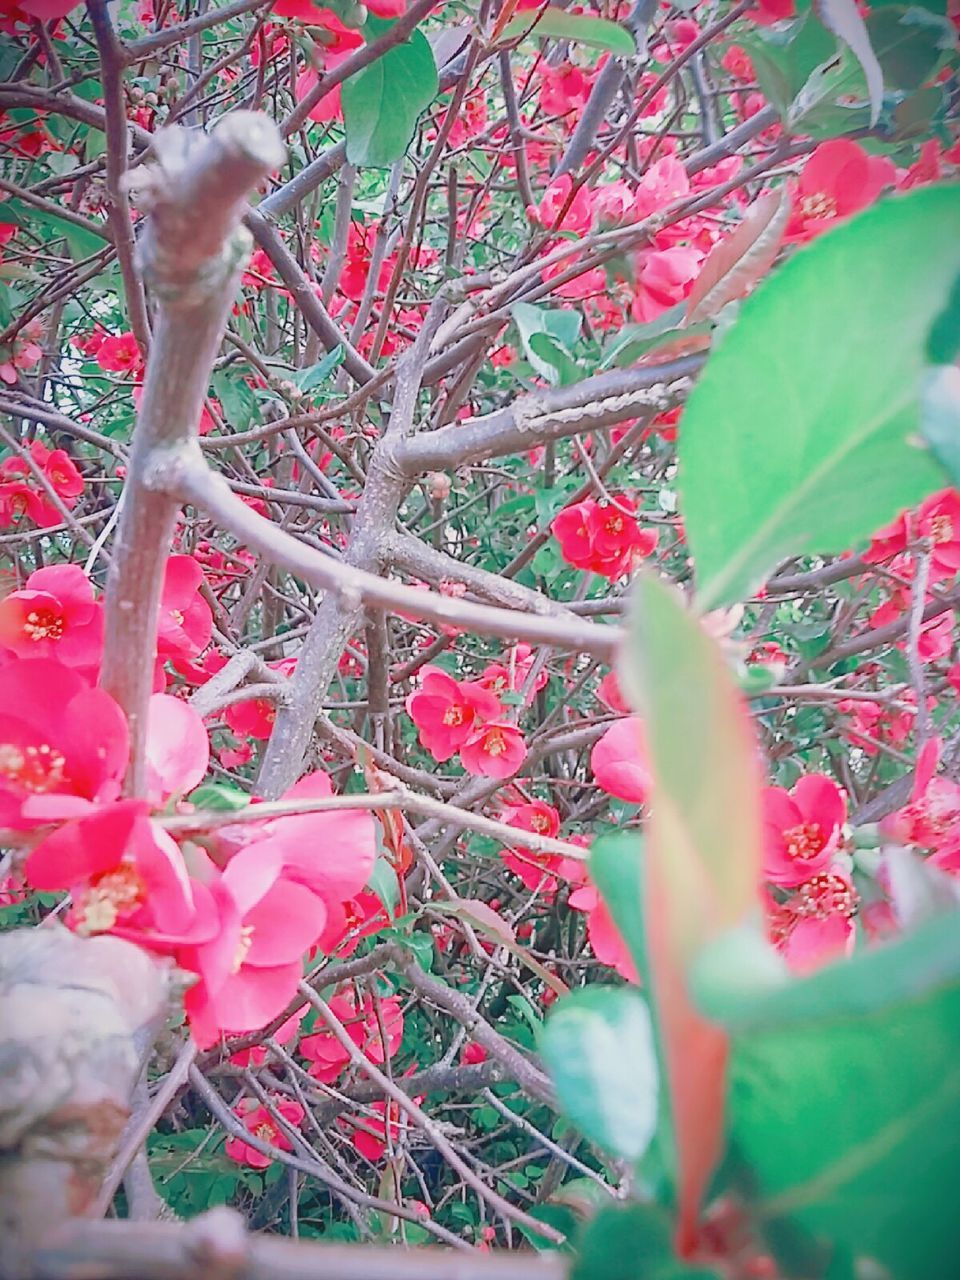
(596, 33)
(703, 860)
(800, 436)
(842, 17)
(382, 103)
(735, 264)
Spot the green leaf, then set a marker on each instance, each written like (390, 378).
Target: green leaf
(383, 102)
(597, 33)
(547, 336)
(631, 1242)
(845, 1106)
(598, 1047)
(799, 437)
(635, 340)
(383, 881)
(307, 379)
(785, 58)
(909, 42)
(219, 796)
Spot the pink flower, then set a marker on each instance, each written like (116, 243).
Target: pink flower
(332, 854)
(604, 937)
(120, 353)
(494, 750)
(54, 616)
(256, 1055)
(446, 711)
(328, 108)
(619, 761)
(387, 8)
(249, 970)
(177, 748)
(329, 1057)
(577, 217)
(125, 876)
(611, 695)
(814, 926)
(263, 1125)
(185, 624)
(665, 181)
(802, 829)
(664, 278)
(63, 745)
(838, 180)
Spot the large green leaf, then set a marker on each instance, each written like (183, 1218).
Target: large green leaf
(845, 1105)
(909, 42)
(801, 435)
(382, 103)
(631, 1242)
(598, 1047)
(598, 33)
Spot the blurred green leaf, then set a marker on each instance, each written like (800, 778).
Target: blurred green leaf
(597, 1045)
(796, 438)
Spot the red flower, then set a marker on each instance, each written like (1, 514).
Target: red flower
(838, 180)
(769, 11)
(602, 537)
(369, 1136)
(17, 500)
(252, 718)
(494, 750)
(500, 677)
(185, 624)
(446, 711)
(802, 829)
(63, 745)
(619, 761)
(120, 353)
(54, 616)
(259, 1121)
(936, 520)
(536, 870)
(387, 8)
(932, 818)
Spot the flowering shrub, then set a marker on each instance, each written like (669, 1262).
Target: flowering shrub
(484, 627)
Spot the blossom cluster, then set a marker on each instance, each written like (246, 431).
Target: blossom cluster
(237, 912)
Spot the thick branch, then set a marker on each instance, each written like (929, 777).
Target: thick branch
(601, 401)
(192, 252)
